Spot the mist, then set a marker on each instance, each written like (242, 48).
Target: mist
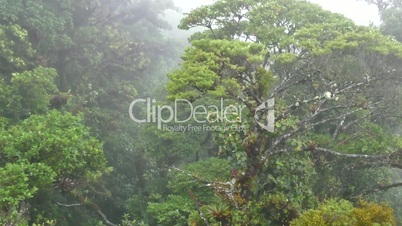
(263, 112)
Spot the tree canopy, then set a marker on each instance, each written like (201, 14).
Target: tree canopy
(307, 131)
(331, 80)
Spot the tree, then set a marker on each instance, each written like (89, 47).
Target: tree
(327, 75)
(46, 151)
(101, 54)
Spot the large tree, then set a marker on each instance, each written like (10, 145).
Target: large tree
(335, 86)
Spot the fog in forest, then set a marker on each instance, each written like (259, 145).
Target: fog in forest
(216, 113)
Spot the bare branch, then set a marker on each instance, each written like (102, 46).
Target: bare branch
(361, 156)
(105, 218)
(197, 206)
(339, 127)
(381, 188)
(93, 206)
(70, 205)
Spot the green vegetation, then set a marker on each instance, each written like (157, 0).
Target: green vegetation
(71, 155)
(342, 212)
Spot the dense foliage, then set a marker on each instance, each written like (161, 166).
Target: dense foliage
(71, 154)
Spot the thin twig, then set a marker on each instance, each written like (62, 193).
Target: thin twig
(197, 206)
(93, 206)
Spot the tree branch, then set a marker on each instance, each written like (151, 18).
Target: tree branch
(197, 206)
(381, 188)
(324, 150)
(93, 206)
(70, 205)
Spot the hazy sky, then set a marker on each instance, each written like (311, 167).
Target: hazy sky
(358, 11)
